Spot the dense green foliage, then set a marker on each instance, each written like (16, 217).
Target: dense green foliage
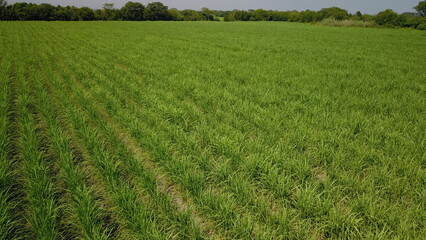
(421, 8)
(182, 130)
(131, 11)
(156, 11)
(387, 18)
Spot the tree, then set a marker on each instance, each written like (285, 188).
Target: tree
(3, 11)
(62, 13)
(412, 20)
(191, 15)
(156, 11)
(389, 18)
(334, 12)
(421, 8)
(229, 18)
(44, 12)
(207, 14)
(242, 15)
(115, 15)
(260, 15)
(309, 16)
(108, 6)
(220, 13)
(73, 11)
(280, 16)
(293, 16)
(175, 15)
(238, 15)
(107, 10)
(133, 11)
(358, 16)
(85, 14)
(19, 11)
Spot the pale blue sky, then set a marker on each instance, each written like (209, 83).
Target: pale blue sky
(365, 6)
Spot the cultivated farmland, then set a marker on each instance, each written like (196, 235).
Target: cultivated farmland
(209, 130)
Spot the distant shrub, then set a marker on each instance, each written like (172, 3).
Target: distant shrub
(421, 27)
(229, 18)
(412, 21)
(346, 23)
(334, 12)
(389, 18)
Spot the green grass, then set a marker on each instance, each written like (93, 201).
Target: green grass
(193, 130)
(81, 211)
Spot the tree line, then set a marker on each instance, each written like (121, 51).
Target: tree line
(131, 11)
(387, 18)
(156, 11)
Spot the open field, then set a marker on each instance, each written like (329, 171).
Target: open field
(211, 130)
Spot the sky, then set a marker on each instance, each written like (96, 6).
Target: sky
(365, 6)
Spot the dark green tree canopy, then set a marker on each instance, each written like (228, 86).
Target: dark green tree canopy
(85, 14)
(207, 14)
(133, 11)
(156, 11)
(107, 11)
(260, 15)
(191, 15)
(421, 8)
(310, 16)
(388, 17)
(175, 15)
(334, 12)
